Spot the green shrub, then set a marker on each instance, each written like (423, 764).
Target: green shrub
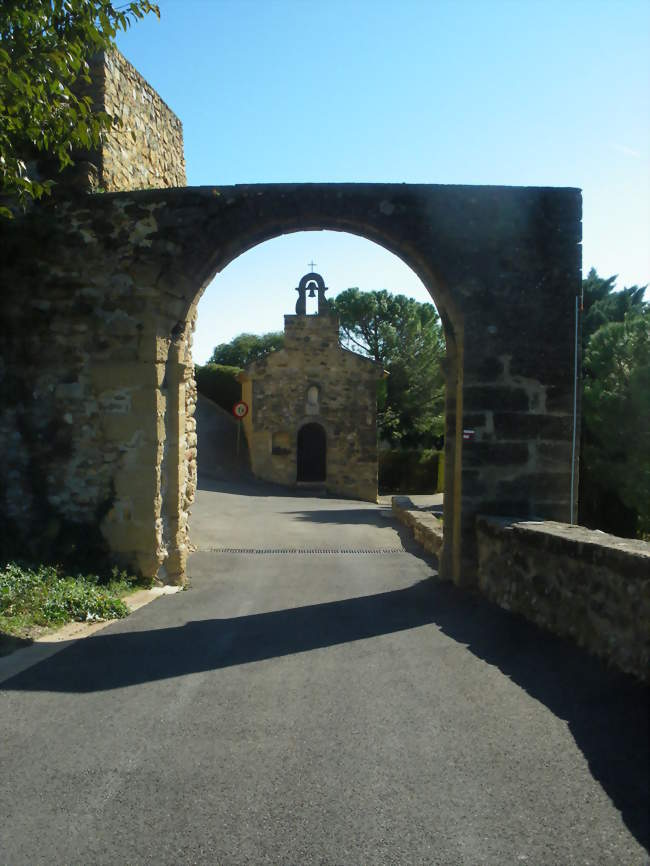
(409, 471)
(219, 383)
(45, 595)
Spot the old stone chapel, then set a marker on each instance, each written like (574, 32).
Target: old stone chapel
(313, 406)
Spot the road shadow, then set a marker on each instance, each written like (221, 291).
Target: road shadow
(244, 484)
(114, 660)
(379, 516)
(373, 516)
(9, 643)
(606, 712)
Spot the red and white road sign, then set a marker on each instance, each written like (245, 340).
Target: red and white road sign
(240, 410)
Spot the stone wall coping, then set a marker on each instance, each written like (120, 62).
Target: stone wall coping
(590, 544)
(465, 192)
(427, 529)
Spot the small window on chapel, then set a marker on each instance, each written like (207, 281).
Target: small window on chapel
(280, 443)
(312, 397)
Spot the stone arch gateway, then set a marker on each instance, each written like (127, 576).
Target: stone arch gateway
(99, 296)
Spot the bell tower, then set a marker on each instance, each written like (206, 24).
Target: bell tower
(314, 283)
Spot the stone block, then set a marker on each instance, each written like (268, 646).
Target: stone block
(535, 485)
(474, 420)
(474, 482)
(127, 536)
(108, 375)
(484, 371)
(503, 399)
(139, 483)
(130, 431)
(553, 455)
(486, 453)
(520, 426)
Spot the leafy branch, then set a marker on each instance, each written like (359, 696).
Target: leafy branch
(45, 47)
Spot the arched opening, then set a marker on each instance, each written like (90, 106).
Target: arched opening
(502, 263)
(235, 282)
(234, 221)
(311, 463)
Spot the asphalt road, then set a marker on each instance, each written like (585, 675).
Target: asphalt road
(319, 708)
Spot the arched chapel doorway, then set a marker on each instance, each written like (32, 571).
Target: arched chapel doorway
(312, 453)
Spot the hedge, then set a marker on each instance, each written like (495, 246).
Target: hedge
(218, 382)
(410, 471)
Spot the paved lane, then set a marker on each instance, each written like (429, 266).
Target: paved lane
(319, 709)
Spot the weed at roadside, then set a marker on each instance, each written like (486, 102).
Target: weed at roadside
(45, 596)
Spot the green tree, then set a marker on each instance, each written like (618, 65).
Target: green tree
(614, 447)
(616, 412)
(246, 348)
(370, 321)
(405, 336)
(44, 50)
(603, 304)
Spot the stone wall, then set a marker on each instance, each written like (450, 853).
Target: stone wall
(346, 407)
(96, 406)
(576, 582)
(145, 150)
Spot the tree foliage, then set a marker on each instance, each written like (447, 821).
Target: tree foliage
(615, 441)
(406, 337)
(603, 304)
(246, 348)
(44, 50)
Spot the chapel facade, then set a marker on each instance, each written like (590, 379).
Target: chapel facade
(312, 417)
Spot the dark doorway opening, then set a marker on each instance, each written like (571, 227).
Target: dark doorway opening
(312, 453)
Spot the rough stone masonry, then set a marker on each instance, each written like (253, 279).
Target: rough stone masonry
(313, 380)
(98, 302)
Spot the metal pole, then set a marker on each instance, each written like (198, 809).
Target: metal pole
(238, 435)
(575, 413)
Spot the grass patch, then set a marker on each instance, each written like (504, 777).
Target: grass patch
(45, 596)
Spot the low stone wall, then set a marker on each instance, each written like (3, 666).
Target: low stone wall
(576, 582)
(426, 528)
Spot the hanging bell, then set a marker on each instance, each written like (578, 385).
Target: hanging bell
(312, 293)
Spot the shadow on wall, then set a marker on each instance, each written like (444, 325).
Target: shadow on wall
(607, 713)
(217, 452)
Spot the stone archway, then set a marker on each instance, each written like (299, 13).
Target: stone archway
(101, 299)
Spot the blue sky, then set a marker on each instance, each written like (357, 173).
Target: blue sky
(533, 92)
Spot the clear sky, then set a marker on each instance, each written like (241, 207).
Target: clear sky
(515, 92)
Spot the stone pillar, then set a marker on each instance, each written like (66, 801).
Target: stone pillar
(175, 468)
(517, 408)
(132, 424)
(450, 555)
